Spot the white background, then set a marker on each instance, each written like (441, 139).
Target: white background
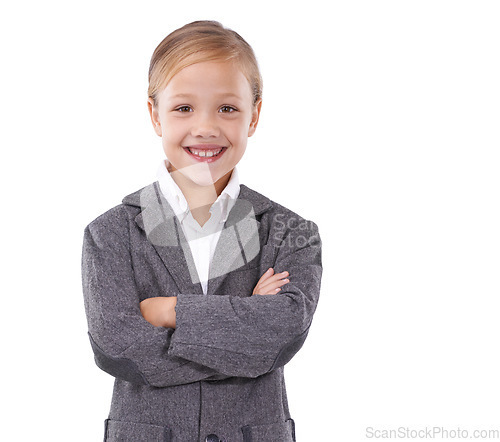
(380, 123)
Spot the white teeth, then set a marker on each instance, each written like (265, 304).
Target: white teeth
(205, 153)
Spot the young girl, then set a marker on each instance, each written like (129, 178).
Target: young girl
(197, 289)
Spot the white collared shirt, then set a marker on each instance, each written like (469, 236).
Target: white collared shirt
(202, 240)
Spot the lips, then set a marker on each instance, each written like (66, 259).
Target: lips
(205, 152)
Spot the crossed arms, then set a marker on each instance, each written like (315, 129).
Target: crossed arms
(192, 337)
(160, 310)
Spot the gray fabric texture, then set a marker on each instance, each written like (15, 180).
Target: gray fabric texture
(221, 370)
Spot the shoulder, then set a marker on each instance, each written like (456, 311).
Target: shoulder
(275, 209)
(117, 218)
(284, 224)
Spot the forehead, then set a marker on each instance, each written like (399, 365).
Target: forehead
(217, 79)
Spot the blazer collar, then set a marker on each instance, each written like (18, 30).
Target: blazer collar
(259, 202)
(238, 243)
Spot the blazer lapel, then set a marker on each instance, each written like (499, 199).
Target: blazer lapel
(237, 245)
(165, 234)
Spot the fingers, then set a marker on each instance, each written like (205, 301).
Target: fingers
(268, 273)
(268, 276)
(274, 285)
(270, 284)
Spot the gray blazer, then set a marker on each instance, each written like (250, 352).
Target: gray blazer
(219, 375)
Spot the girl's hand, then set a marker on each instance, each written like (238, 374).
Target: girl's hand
(159, 311)
(269, 284)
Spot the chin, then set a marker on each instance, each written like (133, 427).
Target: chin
(201, 177)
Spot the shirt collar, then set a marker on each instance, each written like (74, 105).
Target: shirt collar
(173, 194)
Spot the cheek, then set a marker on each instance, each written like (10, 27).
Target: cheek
(239, 132)
(173, 133)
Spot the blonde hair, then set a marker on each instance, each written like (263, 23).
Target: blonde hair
(198, 42)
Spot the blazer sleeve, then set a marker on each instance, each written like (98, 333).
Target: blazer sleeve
(125, 345)
(250, 336)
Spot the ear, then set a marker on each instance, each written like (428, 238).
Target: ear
(153, 113)
(255, 117)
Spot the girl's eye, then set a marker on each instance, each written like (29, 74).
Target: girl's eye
(183, 109)
(227, 109)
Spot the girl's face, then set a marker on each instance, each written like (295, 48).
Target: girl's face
(204, 117)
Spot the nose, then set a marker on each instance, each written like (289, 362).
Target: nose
(205, 126)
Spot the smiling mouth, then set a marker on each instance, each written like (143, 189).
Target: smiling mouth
(206, 153)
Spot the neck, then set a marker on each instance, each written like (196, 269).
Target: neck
(197, 196)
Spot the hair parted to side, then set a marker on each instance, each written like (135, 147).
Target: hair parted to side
(197, 42)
